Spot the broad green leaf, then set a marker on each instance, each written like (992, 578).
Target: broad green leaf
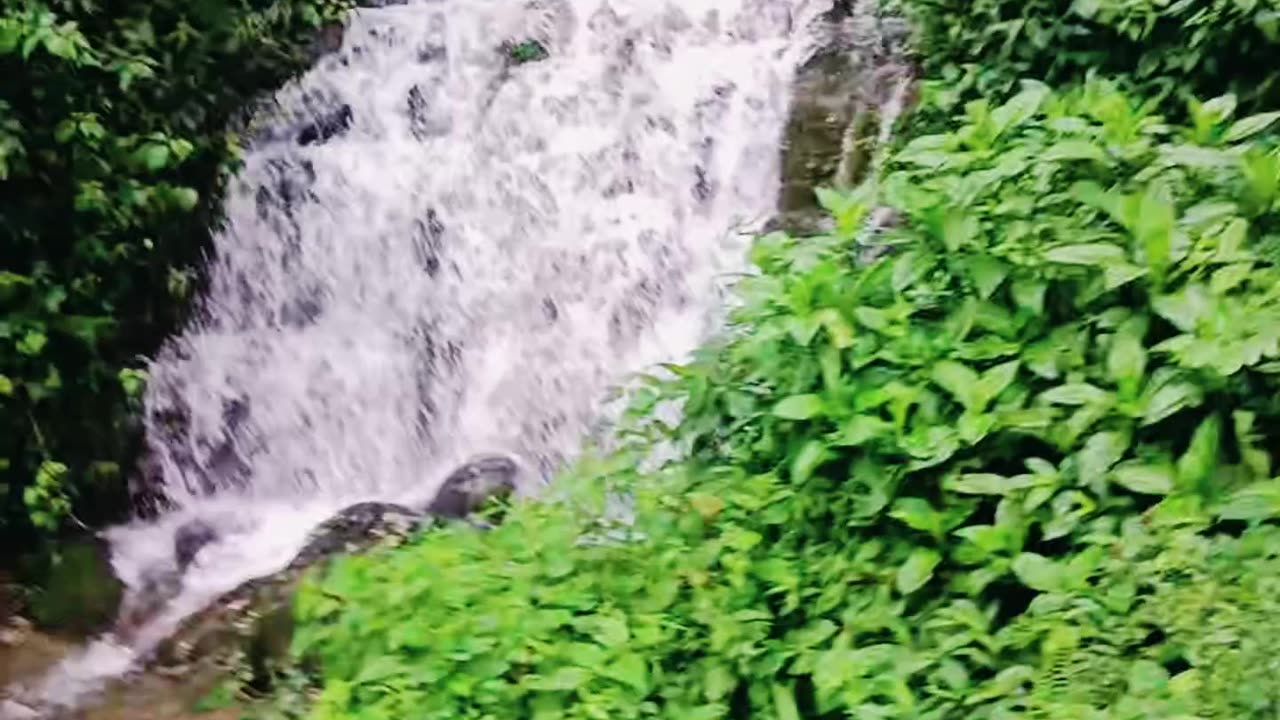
(708, 506)
(861, 429)
(917, 514)
(1127, 358)
(1186, 308)
(631, 670)
(1029, 294)
(1260, 501)
(988, 274)
(917, 570)
(1154, 229)
(1100, 453)
(6, 386)
(784, 703)
(1076, 394)
(988, 484)
(958, 380)
(1250, 126)
(958, 229)
(1095, 254)
(811, 456)
(1197, 465)
(1038, 572)
(799, 407)
(186, 198)
(1074, 150)
(1143, 478)
(994, 382)
(1171, 398)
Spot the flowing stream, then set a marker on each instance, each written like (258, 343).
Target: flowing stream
(433, 251)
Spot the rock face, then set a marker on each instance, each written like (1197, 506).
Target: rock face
(840, 100)
(254, 623)
(478, 481)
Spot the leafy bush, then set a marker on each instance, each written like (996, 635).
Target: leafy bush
(112, 144)
(1169, 47)
(1019, 467)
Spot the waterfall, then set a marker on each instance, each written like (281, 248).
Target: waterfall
(433, 250)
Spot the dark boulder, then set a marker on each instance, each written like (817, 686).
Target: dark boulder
(475, 483)
(190, 539)
(355, 529)
(327, 126)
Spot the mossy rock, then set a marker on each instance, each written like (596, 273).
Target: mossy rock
(77, 593)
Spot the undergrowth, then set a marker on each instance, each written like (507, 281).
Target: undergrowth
(1020, 467)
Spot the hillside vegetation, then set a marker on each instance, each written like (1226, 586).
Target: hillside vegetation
(1019, 467)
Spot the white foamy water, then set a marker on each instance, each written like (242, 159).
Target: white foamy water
(468, 266)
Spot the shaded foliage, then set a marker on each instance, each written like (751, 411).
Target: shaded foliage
(114, 142)
(1172, 49)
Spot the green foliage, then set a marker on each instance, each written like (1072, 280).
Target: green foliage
(1176, 48)
(1018, 468)
(526, 52)
(112, 147)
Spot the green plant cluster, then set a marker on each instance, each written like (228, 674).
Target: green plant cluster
(1173, 49)
(114, 140)
(1020, 467)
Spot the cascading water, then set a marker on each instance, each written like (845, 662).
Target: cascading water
(433, 251)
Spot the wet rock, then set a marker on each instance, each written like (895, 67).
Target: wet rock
(837, 112)
(253, 624)
(327, 126)
(78, 592)
(355, 529)
(14, 710)
(254, 621)
(190, 539)
(428, 118)
(475, 483)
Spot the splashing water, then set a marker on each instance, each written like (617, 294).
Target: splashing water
(432, 251)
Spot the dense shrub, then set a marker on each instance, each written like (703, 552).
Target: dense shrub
(1019, 467)
(113, 121)
(1173, 48)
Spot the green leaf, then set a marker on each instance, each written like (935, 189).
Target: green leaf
(994, 382)
(1259, 501)
(1145, 479)
(958, 380)
(862, 429)
(1038, 572)
(6, 386)
(32, 343)
(1171, 398)
(917, 514)
(1250, 126)
(917, 570)
(1100, 453)
(186, 198)
(784, 703)
(1197, 465)
(811, 456)
(988, 484)
(988, 274)
(631, 670)
(153, 156)
(1074, 150)
(1127, 357)
(799, 407)
(1076, 394)
(1029, 294)
(1096, 254)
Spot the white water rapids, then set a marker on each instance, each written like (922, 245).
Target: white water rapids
(465, 258)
